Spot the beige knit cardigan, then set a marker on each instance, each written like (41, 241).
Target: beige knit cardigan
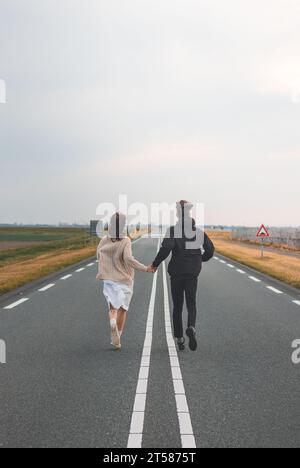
(116, 262)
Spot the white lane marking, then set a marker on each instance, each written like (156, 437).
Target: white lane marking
(216, 258)
(185, 424)
(241, 271)
(80, 270)
(274, 290)
(188, 441)
(254, 279)
(45, 288)
(229, 265)
(91, 264)
(15, 304)
(222, 261)
(66, 277)
(297, 302)
(135, 438)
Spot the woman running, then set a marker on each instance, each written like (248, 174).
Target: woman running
(116, 269)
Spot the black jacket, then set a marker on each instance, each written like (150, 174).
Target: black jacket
(185, 261)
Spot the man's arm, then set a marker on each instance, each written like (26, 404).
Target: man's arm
(209, 249)
(165, 250)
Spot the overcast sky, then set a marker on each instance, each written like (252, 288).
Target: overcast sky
(157, 99)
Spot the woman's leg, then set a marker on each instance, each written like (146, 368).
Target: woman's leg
(121, 320)
(113, 314)
(113, 317)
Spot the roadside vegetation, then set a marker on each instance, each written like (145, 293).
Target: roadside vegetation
(43, 251)
(278, 264)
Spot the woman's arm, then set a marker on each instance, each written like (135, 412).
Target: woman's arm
(130, 260)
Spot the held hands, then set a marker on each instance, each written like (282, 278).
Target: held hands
(151, 269)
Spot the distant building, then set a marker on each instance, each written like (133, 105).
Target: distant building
(96, 228)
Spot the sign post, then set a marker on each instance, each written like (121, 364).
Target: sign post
(262, 233)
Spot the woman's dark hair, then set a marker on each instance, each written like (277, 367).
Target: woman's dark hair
(117, 226)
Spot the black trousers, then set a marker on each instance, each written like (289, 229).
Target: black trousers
(183, 286)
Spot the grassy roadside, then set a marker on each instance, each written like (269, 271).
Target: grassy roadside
(285, 268)
(17, 274)
(24, 265)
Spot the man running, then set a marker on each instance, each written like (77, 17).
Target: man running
(185, 241)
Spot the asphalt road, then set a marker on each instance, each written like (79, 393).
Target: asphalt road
(63, 385)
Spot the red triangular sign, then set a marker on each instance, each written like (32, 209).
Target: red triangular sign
(263, 231)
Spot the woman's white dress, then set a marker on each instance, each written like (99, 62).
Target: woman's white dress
(117, 294)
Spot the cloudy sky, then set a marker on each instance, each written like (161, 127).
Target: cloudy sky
(156, 99)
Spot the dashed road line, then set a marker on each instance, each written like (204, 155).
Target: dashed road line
(66, 277)
(257, 280)
(91, 264)
(80, 270)
(45, 288)
(184, 418)
(274, 290)
(17, 303)
(253, 278)
(135, 438)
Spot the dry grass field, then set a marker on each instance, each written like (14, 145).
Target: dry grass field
(28, 254)
(33, 253)
(278, 264)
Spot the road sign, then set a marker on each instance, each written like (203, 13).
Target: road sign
(263, 231)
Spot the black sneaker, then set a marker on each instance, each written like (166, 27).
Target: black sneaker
(180, 343)
(191, 333)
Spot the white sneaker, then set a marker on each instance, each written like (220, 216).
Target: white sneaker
(115, 337)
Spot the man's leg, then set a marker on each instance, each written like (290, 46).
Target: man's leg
(191, 285)
(190, 288)
(177, 288)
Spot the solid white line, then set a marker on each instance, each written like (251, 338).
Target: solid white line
(254, 279)
(274, 290)
(135, 438)
(66, 277)
(297, 302)
(15, 304)
(80, 270)
(45, 288)
(184, 418)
